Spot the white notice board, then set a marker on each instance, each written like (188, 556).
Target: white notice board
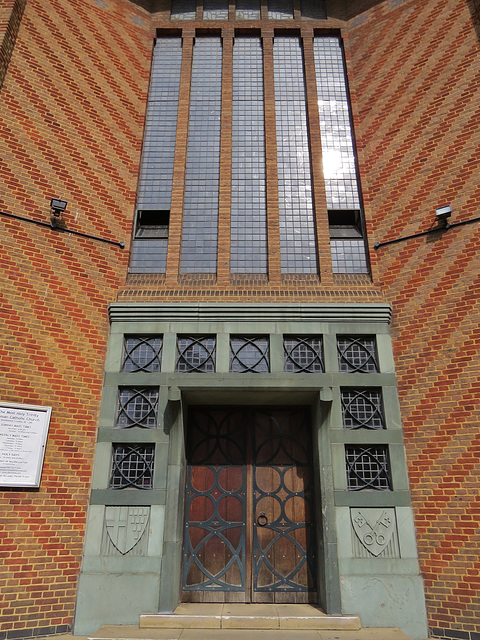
(23, 438)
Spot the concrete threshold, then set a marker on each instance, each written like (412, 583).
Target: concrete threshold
(248, 616)
(136, 633)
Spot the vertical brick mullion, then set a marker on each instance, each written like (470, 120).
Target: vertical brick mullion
(225, 193)
(297, 9)
(318, 182)
(176, 211)
(273, 225)
(264, 10)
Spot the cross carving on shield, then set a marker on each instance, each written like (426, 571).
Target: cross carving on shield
(125, 526)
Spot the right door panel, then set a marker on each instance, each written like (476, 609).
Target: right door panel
(283, 526)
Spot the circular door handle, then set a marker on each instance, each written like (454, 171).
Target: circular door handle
(262, 519)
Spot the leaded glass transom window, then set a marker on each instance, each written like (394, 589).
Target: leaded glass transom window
(132, 466)
(368, 468)
(357, 354)
(348, 256)
(362, 409)
(249, 354)
(196, 354)
(137, 408)
(303, 354)
(142, 353)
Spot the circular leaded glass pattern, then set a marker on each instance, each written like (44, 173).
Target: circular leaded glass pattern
(362, 409)
(132, 466)
(142, 353)
(196, 354)
(368, 468)
(303, 354)
(249, 354)
(137, 408)
(357, 354)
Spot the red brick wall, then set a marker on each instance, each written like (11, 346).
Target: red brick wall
(414, 69)
(71, 121)
(11, 12)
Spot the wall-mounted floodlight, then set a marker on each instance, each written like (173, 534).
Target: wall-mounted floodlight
(58, 206)
(442, 213)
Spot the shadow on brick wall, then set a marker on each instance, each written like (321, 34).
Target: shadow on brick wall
(348, 10)
(152, 5)
(9, 34)
(474, 6)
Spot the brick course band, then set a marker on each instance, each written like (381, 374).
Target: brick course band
(35, 633)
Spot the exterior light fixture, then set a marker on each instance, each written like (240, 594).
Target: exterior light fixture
(442, 214)
(58, 206)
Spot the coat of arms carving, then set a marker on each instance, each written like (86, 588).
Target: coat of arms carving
(126, 526)
(374, 528)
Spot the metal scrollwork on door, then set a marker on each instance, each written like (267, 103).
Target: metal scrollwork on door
(283, 540)
(258, 458)
(214, 551)
(214, 544)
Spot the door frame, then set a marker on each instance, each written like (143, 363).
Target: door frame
(177, 411)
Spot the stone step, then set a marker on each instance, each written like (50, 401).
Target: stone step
(114, 632)
(248, 616)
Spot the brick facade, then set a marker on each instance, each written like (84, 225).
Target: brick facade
(414, 77)
(71, 122)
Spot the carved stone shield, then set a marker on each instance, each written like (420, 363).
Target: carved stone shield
(126, 526)
(374, 528)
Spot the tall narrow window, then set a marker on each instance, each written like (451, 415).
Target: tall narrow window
(248, 215)
(339, 162)
(183, 10)
(200, 211)
(280, 9)
(215, 9)
(297, 232)
(149, 250)
(313, 9)
(248, 10)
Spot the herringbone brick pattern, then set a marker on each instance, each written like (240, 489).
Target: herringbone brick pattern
(11, 12)
(71, 121)
(73, 102)
(416, 93)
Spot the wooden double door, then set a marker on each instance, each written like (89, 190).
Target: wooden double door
(249, 525)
